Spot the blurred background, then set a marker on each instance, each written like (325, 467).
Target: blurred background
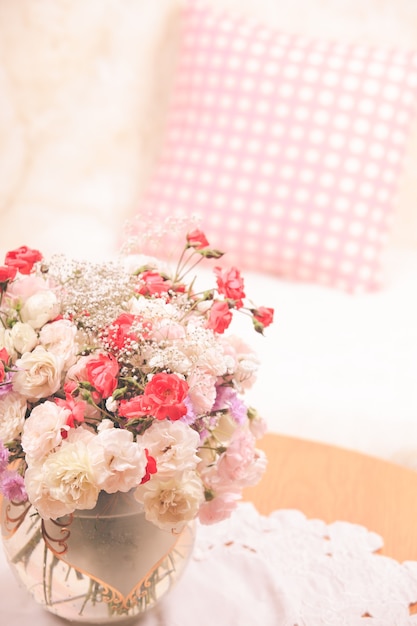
(84, 88)
(84, 94)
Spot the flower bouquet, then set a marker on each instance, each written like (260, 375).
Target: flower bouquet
(125, 379)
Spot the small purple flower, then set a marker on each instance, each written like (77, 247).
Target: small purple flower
(12, 486)
(7, 385)
(223, 395)
(190, 417)
(4, 457)
(227, 398)
(238, 410)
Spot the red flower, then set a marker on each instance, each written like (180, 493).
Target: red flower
(166, 393)
(179, 287)
(102, 373)
(230, 284)
(139, 406)
(119, 331)
(6, 274)
(197, 239)
(220, 317)
(119, 334)
(77, 408)
(23, 259)
(4, 359)
(70, 386)
(152, 283)
(264, 315)
(4, 355)
(150, 467)
(163, 398)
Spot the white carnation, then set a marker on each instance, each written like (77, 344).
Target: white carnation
(12, 416)
(39, 309)
(38, 374)
(173, 445)
(42, 431)
(23, 336)
(59, 338)
(120, 462)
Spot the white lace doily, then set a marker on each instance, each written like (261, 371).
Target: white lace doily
(285, 570)
(281, 570)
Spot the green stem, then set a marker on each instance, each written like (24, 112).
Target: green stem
(182, 276)
(177, 275)
(26, 551)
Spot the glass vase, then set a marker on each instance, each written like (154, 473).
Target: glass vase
(104, 565)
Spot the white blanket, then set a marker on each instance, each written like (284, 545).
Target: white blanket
(339, 368)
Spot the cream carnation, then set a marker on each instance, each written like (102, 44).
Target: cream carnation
(12, 415)
(42, 431)
(223, 431)
(40, 308)
(24, 338)
(59, 338)
(38, 374)
(64, 482)
(171, 503)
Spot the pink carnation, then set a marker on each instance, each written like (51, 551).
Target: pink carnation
(219, 507)
(242, 464)
(12, 486)
(102, 373)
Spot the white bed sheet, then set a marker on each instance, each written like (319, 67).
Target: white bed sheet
(339, 368)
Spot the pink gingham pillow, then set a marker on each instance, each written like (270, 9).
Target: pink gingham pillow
(289, 148)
